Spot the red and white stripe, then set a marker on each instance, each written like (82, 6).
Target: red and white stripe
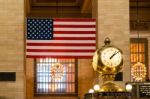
(72, 38)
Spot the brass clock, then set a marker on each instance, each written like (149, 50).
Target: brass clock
(108, 59)
(111, 56)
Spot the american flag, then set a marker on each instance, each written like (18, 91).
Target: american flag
(60, 38)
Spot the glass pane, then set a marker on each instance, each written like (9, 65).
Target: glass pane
(55, 76)
(137, 52)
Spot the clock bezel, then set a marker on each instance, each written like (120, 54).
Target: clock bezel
(110, 46)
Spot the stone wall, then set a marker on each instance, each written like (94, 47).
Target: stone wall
(12, 47)
(113, 22)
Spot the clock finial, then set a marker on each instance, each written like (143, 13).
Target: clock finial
(107, 41)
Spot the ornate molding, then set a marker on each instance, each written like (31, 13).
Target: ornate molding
(142, 25)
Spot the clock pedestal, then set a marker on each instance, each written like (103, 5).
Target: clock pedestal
(109, 85)
(108, 77)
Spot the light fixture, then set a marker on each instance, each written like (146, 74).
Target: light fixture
(138, 72)
(129, 87)
(96, 87)
(96, 83)
(91, 91)
(57, 71)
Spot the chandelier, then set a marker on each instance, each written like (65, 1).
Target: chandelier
(138, 71)
(57, 71)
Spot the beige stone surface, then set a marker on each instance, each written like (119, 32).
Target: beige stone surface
(12, 48)
(85, 76)
(113, 22)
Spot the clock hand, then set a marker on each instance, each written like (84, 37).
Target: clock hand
(113, 55)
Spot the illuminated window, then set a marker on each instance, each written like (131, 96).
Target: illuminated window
(138, 52)
(55, 76)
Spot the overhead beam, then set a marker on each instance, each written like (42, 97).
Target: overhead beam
(35, 3)
(54, 4)
(87, 6)
(79, 2)
(139, 0)
(27, 6)
(62, 10)
(52, 1)
(55, 15)
(140, 4)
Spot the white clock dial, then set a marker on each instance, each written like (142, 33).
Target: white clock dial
(111, 57)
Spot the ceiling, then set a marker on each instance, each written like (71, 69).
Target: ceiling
(140, 3)
(59, 8)
(72, 8)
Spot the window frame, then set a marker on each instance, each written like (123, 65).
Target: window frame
(56, 94)
(145, 42)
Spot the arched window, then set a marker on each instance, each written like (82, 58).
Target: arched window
(55, 76)
(138, 53)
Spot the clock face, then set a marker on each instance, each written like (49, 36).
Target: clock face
(111, 57)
